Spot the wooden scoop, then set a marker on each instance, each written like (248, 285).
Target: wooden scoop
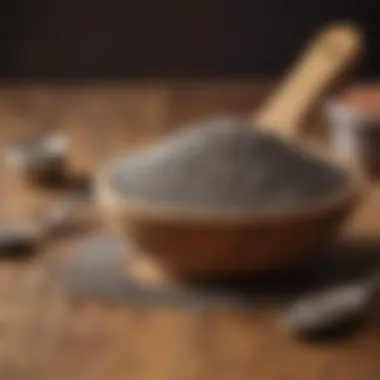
(189, 246)
(328, 57)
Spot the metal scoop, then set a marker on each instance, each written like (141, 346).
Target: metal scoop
(333, 311)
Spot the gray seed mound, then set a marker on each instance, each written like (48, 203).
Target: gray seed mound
(222, 166)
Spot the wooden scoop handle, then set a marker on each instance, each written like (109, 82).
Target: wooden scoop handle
(331, 53)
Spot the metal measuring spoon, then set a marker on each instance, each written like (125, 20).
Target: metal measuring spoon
(42, 159)
(22, 236)
(17, 236)
(333, 311)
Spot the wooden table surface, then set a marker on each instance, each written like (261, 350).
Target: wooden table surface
(45, 336)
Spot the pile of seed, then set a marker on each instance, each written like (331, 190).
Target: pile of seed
(223, 166)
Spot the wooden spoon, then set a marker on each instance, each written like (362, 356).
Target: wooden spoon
(333, 51)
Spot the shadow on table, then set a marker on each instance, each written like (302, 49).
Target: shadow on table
(347, 261)
(100, 273)
(78, 182)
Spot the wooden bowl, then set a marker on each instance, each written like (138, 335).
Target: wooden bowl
(192, 243)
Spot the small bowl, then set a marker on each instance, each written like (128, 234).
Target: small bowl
(354, 135)
(192, 244)
(40, 160)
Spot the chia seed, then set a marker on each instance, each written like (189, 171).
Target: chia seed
(224, 165)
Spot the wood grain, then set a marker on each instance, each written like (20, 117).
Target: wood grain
(44, 336)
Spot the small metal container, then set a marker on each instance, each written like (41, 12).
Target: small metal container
(354, 135)
(41, 160)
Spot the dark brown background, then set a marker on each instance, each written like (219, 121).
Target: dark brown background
(129, 38)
